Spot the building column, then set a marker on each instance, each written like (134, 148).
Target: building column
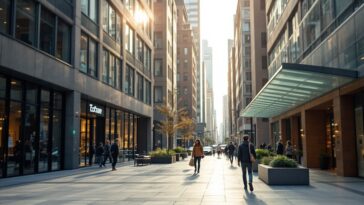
(346, 159)
(72, 132)
(282, 130)
(313, 139)
(294, 131)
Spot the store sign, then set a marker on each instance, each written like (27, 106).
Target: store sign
(95, 109)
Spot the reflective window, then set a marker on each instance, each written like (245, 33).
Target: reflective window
(129, 80)
(5, 10)
(2, 145)
(15, 145)
(111, 21)
(29, 136)
(16, 90)
(89, 8)
(140, 88)
(44, 131)
(47, 31)
(25, 21)
(148, 92)
(63, 50)
(111, 67)
(158, 94)
(129, 36)
(2, 87)
(88, 55)
(158, 67)
(129, 4)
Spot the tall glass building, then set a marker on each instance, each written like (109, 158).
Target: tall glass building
(315, 93)
(73, 74)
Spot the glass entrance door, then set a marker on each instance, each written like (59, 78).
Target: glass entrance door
(359, 122)
(87, 141)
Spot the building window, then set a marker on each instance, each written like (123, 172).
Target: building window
(110, 68)
(148, 91)
(158, 94)
(111, 21)
(88, 56)
(47, 31)
(129, 4)
(129, 43)
(248, 76)
(129, 80)
(147, 59)
(25, 21)
(264, 62)
(158, 67)
(263, 39)
(185, 51)
(158, 36)
(140, 87)
(5, 5)
(89, 8)
(63, 46)
(248, 88)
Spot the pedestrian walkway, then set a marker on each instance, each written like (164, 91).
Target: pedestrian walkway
(218, 183)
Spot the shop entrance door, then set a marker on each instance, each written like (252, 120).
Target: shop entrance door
(359, 124)
(91, 135)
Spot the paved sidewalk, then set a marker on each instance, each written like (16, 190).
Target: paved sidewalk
(218, 183)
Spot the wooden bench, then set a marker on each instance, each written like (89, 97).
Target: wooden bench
(142, 160)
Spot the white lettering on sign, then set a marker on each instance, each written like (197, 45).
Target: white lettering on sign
(95, 109)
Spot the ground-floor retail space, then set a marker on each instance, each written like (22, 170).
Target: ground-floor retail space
(46, 128)
(327, 132)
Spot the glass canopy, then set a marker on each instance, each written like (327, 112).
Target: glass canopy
(293, 85)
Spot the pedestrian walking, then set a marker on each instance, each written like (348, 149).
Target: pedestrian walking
(100, 154)
(114, 150)
(231, 149)
(245, 153)
(280, 147)
(289, 149)
(197, 154)
(107, 154)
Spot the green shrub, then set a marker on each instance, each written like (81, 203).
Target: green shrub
(162, 153)
(266, 160)
(262, 153)
(283, 161)
(179, 149)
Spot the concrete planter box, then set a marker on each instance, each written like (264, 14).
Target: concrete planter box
(283, 176)
(163, 160)
(255, 165)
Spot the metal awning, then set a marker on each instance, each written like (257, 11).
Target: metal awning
(293, 85)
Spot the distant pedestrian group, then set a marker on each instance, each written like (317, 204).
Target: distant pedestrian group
(107, 152)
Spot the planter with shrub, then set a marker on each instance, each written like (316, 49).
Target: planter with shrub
(180, 153)
(280, 170)
(261, 153)
(163, 156)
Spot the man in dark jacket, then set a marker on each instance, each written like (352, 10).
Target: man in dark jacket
(114, 149)
(280, 148)
(107, 154)
(245, 149)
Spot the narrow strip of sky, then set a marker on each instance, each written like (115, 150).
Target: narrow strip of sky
(217, 26)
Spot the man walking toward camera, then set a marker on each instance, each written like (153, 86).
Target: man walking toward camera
(114, 149)
(231, 150)
(246, 149)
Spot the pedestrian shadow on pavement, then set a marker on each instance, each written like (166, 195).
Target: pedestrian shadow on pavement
(233, 167)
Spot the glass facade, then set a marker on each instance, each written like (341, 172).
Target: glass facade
(28, 113)
(108, 124)
(324, 34)
(88, 55)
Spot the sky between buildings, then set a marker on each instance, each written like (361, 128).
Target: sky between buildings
(217, 26)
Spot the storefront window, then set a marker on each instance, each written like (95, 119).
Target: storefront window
(107, 124)
(131, 132)
(126, 131)
(14, 155)
(25, 15)
(56, 131)
(30, 138)
(2, 146)
(44, 131)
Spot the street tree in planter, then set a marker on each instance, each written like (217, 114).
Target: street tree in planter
(173, 121)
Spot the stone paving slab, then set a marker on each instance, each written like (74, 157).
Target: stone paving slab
(218, 183)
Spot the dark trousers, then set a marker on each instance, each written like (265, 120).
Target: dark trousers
(244, 166)
(231, 157)
(107, 156)
(197, 161)
(114, 160)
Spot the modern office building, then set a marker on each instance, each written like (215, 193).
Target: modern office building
(73, 74)
(194, 13)
(165, 65)
(314, 96)
(225, 123)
